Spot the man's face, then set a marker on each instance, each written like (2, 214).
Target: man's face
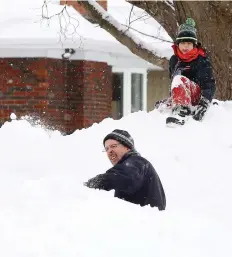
(185, 47)
(115, 150)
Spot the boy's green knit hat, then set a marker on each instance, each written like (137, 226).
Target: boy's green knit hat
(187, 32)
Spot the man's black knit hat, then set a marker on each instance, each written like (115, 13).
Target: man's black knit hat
(122, 137)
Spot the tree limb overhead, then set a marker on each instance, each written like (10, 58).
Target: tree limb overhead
(123, 36)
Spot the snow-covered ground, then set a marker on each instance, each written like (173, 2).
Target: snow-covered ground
(47, 212)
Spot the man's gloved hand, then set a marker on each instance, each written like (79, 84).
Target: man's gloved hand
(201, 109)
(95, 182)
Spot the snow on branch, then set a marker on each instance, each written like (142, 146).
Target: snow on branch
(122, 34)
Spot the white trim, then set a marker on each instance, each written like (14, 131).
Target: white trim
(182, 38)
(114, 59)
(144, 73)
(145, 82)
(127, 93)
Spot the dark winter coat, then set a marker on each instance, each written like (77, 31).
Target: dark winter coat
(198, 70)
(134, 180)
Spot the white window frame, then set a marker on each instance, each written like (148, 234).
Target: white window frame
(127, 87)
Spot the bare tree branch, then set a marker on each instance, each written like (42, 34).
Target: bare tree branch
(132, 7)
(124, 37)
(162, 12)
(66, 21)
(138, 18)
(147, 35)
(130, 17)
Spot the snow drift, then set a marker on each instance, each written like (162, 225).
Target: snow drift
(47, 212)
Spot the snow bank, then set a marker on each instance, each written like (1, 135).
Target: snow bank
(46, 211)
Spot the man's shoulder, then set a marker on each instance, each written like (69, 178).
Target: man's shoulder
(137, 159)
(142, 164)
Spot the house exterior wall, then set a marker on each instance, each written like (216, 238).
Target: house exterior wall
(65, 95)
(157, 87)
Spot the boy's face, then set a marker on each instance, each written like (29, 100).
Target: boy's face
(185, 47)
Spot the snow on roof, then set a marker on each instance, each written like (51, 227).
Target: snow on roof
(25, 22)
(22, 27)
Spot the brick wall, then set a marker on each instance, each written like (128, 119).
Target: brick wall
(65, 95)
(93, 80)
(81, 9)
(22, 86)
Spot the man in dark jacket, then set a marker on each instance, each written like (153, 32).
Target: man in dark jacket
(133, 178)
(192, 81)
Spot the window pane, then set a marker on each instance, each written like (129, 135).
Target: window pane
(117, 96)
(136, 92)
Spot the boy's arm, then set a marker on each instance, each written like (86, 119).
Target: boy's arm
(206, 79)
(208, 87)
(172, 63)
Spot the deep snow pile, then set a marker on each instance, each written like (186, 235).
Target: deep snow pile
(46, 211)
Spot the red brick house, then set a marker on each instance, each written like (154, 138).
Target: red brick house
(71, 93)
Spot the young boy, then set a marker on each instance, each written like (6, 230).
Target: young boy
(191, 74)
